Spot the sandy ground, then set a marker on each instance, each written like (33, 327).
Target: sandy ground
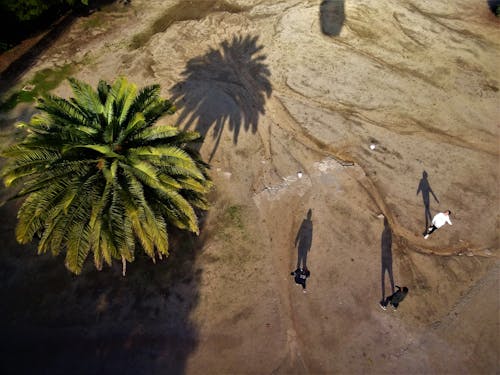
(277, 88)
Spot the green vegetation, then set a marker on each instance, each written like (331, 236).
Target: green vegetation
(28, 10)
(233, 215)
(42, 83)
(99, 176)
(94, 22)
(230, 226)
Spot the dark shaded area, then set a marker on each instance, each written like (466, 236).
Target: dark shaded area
(331, 16)
(53, 322)
(54, 23)
(228, 85)
(386, 247)
(14, 31)
(10, 76)
(425, 188)
(494, 6)
(303, 240)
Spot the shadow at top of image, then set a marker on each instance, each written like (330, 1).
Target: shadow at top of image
(331, 16)
(98, 322)
(228, 84)
(494, 6)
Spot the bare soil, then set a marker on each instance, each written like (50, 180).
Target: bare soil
(277, 88)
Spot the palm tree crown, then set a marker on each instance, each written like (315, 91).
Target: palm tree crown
(98, 176)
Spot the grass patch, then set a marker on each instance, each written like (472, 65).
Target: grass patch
(40, 85)
(230, 226)
(233, 216)
(95, 22)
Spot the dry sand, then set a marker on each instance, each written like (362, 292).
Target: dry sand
(278, 87)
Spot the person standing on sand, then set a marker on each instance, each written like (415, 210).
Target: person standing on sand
(300, 275)
(438, 221)
(395, 298)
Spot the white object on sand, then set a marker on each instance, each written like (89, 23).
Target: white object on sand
(299, 174)
(372, 146)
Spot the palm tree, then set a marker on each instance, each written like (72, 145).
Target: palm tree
(98, 176)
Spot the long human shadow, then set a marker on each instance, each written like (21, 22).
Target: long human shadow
(53, 322)
(303, 240)
(227, 85)
(331, 16)
(386, 255)
(425, 188)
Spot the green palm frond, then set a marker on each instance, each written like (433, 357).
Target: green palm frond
(180, 205)
(86, 97)
(99, 176)
(147, 96)
(35, 210)
(125, 96)
(186, 137)
(78, 247)
(48, 175)
(194, 185)
(136, 123)
(60, 112)
(150, 134)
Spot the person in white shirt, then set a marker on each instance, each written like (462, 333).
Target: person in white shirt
(438, 221)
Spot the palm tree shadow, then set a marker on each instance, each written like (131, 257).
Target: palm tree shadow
(331, 16)
(303, 240)
(228, 85)
(425, 188)
(98, 322)
(386, 255)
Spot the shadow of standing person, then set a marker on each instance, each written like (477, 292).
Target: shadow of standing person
(303, 241)
(386, 246)
(425, 188)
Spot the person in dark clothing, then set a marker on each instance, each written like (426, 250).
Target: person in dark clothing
(301, 275)
(395, 298)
